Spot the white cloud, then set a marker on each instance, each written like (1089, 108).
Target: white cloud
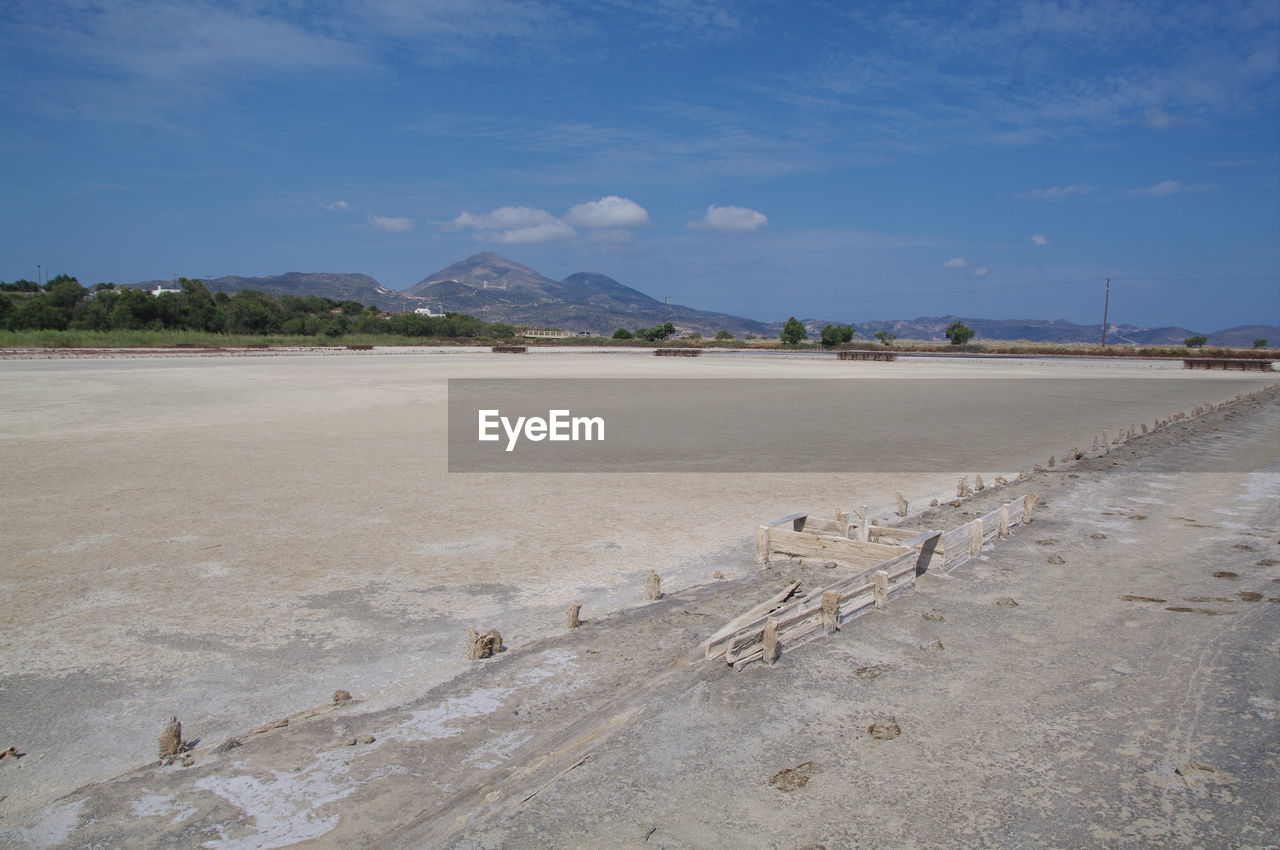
(955, 263)
(394, 225)
(1157, 119)
(609, 211)
(1039, 239)
(1057, 193)
(516, 225)
(729, 220)
(1171, 187)
(336, 205)
(981, 271)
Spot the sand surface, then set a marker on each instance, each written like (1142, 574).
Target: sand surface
(229, 539)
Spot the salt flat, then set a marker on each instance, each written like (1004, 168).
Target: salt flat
(229, 539)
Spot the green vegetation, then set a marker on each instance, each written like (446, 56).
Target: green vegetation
(727, 335)
(623, 333)
(885, 337)
(1260, 342)
(656, 332)
(833, 335)
(793, 331)
(1195, 341)
(959, 333)
(64, 305)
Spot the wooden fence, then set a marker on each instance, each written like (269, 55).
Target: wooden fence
(866, 355)
(1242, 364)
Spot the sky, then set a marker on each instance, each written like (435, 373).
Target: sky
(842, 161)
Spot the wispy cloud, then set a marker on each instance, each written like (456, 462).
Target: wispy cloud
(956, 263)
(980, 271)
(732, 220)
(1039, 240)
(515, 225)
(1171, 187)
(335, 205)
(391, 224)
(1057, 193)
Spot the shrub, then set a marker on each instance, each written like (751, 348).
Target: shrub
(793, 331)
(959, 333)
(1195, 341)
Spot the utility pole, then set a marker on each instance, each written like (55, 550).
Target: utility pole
(1106, 305)
(37, 274)
(666, 308)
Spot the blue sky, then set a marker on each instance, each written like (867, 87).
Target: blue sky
(835, 160)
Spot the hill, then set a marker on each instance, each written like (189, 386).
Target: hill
(497, 289)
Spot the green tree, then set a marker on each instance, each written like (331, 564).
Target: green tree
(793, 331)
(886, 337)
(959, 333)
(723, 335)
(623, 333)
(1195, 341)
(251, 312)
(833, 335)
(1260, 342)
(198, 310)
(39, 313)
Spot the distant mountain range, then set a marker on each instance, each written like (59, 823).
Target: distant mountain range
(496, 289)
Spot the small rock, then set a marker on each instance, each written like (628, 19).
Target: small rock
(1048, 541)
(188, 760)
(1006, 602)
(932, 646)
(367, 739)
(872, 671)
(349, 742)
(340, 697)
(1098, 535)
(1225, 574)
(933, 615)
(717, 575)
(1056, 560)
(1249, 596)
(792, 778)
(933, 503)
(227, 746)
(885, 729)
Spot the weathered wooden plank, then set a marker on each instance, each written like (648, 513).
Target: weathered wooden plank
(715, 645)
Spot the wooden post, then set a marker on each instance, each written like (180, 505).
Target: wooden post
(962, 487)
(880, 580)
(483, 645)
(864, 523)
(843, 519)
(770, 640)
(978, 485)
(1095, 442)
(831, 611)
(171, 743)
(975, 537)
(1004, 520)
(902, 505)
(652, 586)
(762, 544)
(1028, 505)
(1051, 461)
(571, 620)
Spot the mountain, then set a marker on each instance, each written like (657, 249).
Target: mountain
(497, 289)
(354, 287)
(493, 288)
(1040, 330)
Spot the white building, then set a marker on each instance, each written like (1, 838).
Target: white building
(161, 290)
(426, 311)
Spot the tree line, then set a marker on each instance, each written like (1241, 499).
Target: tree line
(63, 304)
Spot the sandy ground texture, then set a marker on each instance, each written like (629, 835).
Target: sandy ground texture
(1108, 676)
(232, 539)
